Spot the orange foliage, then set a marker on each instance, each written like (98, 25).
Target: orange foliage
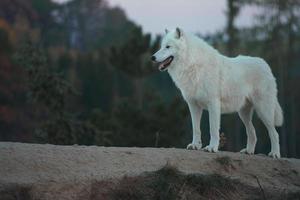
(10, 31)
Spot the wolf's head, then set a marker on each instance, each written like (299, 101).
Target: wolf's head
(172, 45)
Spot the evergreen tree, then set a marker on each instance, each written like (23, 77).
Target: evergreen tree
(48, 91)
(133, 58)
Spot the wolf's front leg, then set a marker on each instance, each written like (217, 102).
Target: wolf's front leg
(214, 110)
(196, 112)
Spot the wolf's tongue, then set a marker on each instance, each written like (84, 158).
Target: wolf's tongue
(167, 62)
(163, 65)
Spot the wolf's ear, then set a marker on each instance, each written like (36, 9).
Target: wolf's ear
(166, 31)
(178, 32)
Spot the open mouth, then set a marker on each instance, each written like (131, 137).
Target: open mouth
(165, 64)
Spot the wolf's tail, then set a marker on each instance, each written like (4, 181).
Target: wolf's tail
(278, 118)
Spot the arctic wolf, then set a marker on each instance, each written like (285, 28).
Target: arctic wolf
(219, 84)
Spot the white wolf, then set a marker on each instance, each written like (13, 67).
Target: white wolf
(219, 84)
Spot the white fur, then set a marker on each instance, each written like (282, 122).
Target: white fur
(219, 84)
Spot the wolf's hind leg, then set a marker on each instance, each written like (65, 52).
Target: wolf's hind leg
(246, 114)
(265, 110)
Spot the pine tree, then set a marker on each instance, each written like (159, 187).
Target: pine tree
(48, 90)
(133, 58)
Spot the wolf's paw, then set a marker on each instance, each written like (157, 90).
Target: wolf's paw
(211, 148)
(274, 154)
(194, 146)
(247, 151)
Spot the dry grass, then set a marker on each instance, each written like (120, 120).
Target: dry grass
(171, 184)
(168, 183)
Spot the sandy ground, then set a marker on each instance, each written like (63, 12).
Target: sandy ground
(67, 172)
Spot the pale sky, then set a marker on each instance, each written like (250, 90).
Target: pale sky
(201, 16)
(196, 16)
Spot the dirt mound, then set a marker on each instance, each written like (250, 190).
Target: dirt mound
(32, 171)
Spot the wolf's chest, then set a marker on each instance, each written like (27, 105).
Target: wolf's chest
(191, 87)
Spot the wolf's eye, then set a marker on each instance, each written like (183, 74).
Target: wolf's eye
(167, 46)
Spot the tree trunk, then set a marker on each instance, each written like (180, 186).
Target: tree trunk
(232, 13)
(290, 55)
(282, 74)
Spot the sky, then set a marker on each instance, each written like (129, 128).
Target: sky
(195, 16)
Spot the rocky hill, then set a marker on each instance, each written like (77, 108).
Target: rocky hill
(34, 171)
